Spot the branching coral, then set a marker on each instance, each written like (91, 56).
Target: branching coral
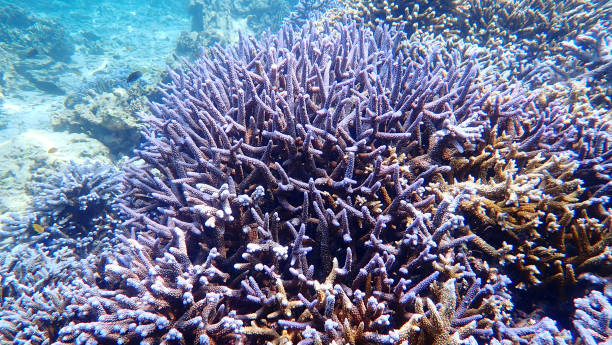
(428, 15)
(280, 197)
(143, 290)
(530, 208)
(33, 319)
(34, 290)
(593, 317)
(527, 24)
(592, 52)
(528, 40)
(531, 23)
(73, 208)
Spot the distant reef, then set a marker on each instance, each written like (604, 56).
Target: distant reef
(33, 51)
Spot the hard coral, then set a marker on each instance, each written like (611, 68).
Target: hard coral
(281, 199)
(527, 40)
(73, 208)
(539, 207)
(592, 52)
(34, 290)
(593, 317)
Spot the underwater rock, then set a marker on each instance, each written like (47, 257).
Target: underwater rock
(262, 14)
(220, 30)
(110, 117)
(224, 22)
(196, 10)
(190, 43)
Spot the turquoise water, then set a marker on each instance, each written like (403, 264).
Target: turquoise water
(276, 172)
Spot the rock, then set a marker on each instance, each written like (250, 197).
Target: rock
(110, 117)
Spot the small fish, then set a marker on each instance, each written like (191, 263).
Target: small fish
(133, 76)
(52, 150)
(128, 48)
(38, 228)
(31, 53)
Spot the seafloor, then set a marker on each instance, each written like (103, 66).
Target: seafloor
(306, 172)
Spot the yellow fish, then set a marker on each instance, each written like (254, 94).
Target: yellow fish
(38, 228)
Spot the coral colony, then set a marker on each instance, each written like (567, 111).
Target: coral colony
(344, 185)
(73, 208)
(286, 193)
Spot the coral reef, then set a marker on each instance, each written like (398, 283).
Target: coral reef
(592, 52)
(32, 318)
(544, 207)
(99, 83)
(537, 26)
(25, 31)
(36, 51)
(428, 15)
(529, 25)
(387, 180)
(281, 195)
(221, 26)
(310, 10)
(223, 21)
(527, 40)
(541, 207)
(262, 14)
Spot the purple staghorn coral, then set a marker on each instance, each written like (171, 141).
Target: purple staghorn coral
(72, 208)
(593, 317)
(593, 50)
(34, 290)
(279, 197)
